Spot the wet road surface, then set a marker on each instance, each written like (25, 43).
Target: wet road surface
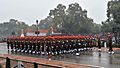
(95, 58)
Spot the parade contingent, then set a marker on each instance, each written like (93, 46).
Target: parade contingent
(53, 45)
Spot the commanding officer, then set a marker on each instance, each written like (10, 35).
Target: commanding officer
(8, 43)
(99, 44)
(110, 44)
(11, 43)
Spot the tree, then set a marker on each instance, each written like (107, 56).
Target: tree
(77, 20)
(45, 23)
(106, 27)
(12, 27)
(73, 20)
(58, 15)
(113, 12)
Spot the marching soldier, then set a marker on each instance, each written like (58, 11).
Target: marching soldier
(12, 43)
(8, 43)
(34, 45)
(110, 44)
(99, 44)
(48, 47)
(31, 45)
(38, 46)
(25, 45)
(43, 47)
(77, 47)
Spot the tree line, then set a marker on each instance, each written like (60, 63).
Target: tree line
(70, 21)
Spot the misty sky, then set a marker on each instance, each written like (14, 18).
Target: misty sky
(30, 10)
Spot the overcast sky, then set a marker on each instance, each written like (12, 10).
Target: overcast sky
(30, 10)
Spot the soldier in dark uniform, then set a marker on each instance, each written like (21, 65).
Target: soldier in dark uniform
(110, 44)
(25, 45)
(34, 45)
(22, 45)
(12, 43)
(58, 46)
(74, 45)
(53, 47)
(18, 45)
(66, 46)
(40, 49)
(99, 44)
(48, 46)
(62, 46)
(38, 46)
(88, 43)
(31, 45)
(77, 46)
(43, 46)
(71, 45)
(15, 45)
(8, 43)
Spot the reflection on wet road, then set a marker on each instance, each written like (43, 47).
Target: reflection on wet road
(102, 59)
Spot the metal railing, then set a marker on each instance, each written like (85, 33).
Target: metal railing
(13, 63)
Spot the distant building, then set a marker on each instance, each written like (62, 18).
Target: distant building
(42, 32)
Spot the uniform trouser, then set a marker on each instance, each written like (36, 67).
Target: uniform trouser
(42, 48)
(34, 47)
(12, 46)
(110, 45)
(26, 47)
(38, 48)
(8, 46)
(30, 47)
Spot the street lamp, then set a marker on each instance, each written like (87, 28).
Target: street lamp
(37, 32)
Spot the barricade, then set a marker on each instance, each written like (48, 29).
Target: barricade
(6, 62)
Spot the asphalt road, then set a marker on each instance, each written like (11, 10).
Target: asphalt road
(92, 58)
